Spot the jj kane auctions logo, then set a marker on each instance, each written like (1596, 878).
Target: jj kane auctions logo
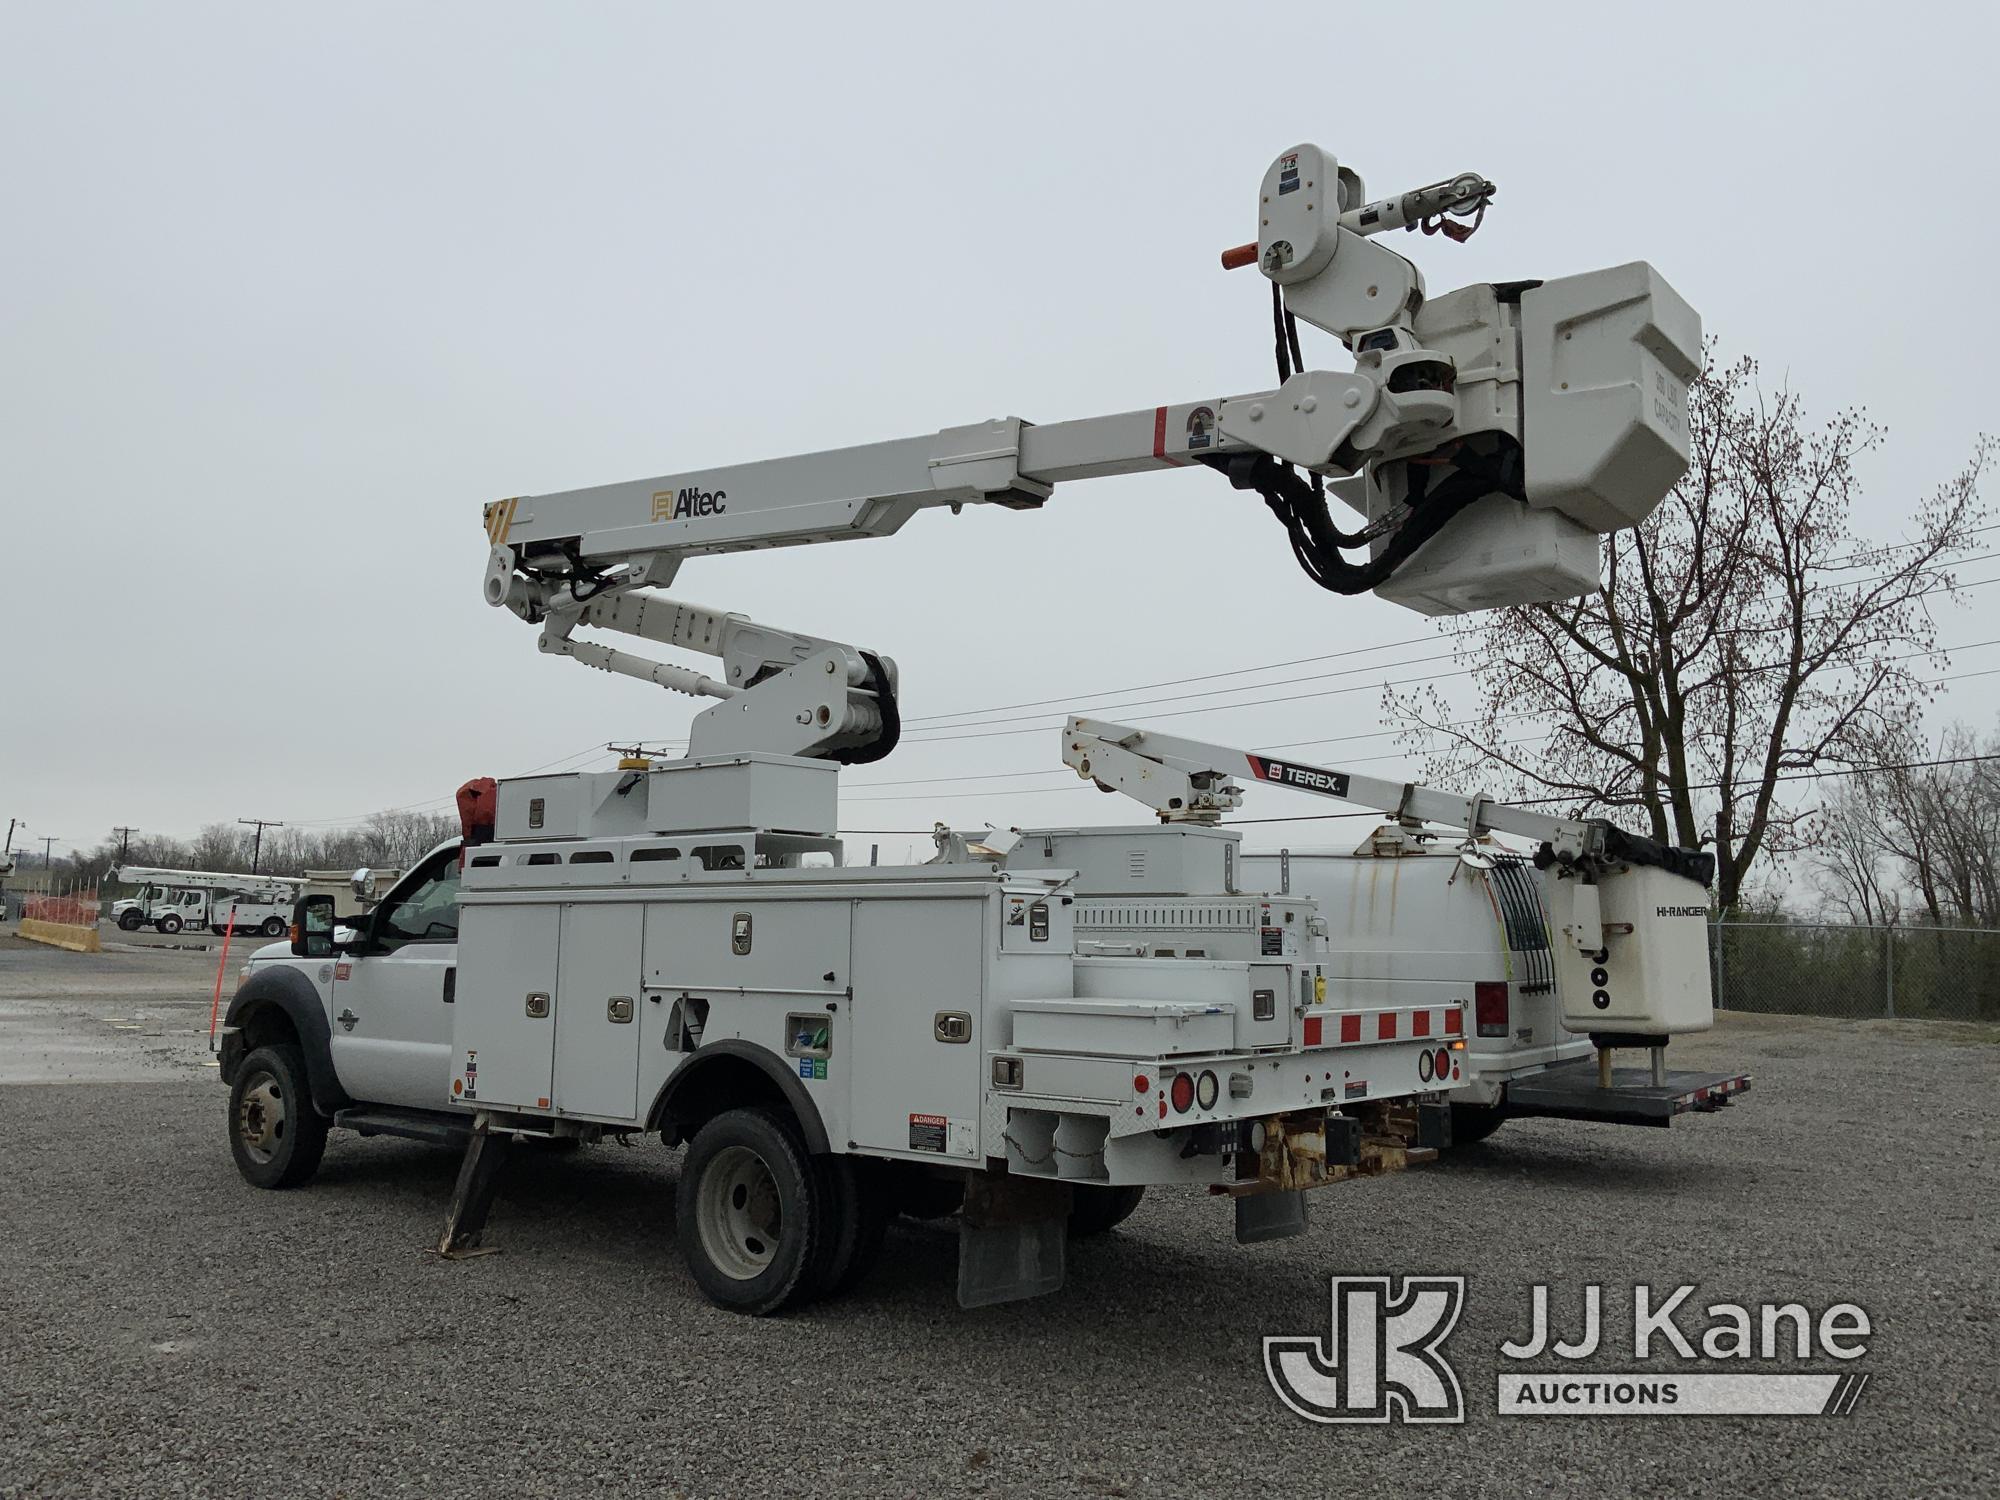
(1385, 1361)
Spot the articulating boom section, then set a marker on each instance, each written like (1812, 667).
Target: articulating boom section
(1489, 438)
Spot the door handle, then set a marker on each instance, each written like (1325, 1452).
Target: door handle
(450, 986)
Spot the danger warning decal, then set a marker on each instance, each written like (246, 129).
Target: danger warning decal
(1305, 778)
(927, 1133)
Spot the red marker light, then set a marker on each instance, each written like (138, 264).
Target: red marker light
(1141, 1083)
(1183, 1092)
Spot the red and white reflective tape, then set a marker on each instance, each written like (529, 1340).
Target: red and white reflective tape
(1356, 1028)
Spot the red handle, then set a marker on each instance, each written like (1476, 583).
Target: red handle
(1238, 256)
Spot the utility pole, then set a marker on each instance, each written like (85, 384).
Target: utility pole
(124, 839)
(257, 844)
(48, 844)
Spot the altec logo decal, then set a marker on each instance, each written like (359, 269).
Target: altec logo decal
(1308, 778)
(685, 505)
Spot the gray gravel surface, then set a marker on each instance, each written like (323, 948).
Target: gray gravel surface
(170, 1331)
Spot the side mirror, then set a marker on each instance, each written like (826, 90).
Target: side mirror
(363, 881)
(312, 927)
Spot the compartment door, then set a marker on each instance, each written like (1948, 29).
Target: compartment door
(597, 1014)
(915, 1094)
(504, 1029)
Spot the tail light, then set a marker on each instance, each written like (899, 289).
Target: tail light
(1489, 1007)
(1182, 1090)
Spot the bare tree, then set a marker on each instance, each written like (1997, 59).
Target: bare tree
(1745, 634)
(220, 846)
(1854, 868)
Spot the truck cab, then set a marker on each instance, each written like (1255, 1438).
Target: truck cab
(166, 909)
(370, 1024)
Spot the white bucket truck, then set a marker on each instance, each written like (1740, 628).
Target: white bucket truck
(171, 900)
(678, 948)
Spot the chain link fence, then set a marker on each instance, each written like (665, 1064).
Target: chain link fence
(1827, 969)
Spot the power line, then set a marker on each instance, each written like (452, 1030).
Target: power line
(1045, 727)
(1636, 627)
(1338, 739)
(1415, 640)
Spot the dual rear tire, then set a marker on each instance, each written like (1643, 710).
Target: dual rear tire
(763, 1225)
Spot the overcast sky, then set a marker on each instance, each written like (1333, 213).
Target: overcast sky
(287, 293)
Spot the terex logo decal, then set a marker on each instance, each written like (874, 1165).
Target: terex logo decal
(1308, 778)
(684, 505)
(1680, 911)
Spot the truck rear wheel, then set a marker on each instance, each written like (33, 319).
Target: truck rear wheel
(130, 921)
(275, 1134)
(273, 927)
(1472, 1123)
(749, 1214)
(1099, 1210)
(856, 1214)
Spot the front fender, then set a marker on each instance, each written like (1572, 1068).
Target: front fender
(283, 989)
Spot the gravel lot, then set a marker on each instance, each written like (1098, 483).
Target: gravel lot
(171, 1331)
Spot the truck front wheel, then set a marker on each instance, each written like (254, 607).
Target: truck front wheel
(274, 927)
(130, 921)
(169, 925)
(275, 1134)
(748, 1215)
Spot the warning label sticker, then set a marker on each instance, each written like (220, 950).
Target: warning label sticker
(927, 1133)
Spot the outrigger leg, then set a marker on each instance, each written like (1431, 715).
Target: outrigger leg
(472, 1196)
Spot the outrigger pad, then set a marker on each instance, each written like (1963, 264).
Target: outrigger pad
(1269, 1216)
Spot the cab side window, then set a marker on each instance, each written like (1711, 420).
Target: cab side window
(426, 912)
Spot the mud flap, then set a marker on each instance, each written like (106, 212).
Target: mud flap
(1011, 1240)
(1269, 1216)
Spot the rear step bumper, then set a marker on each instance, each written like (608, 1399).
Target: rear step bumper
(1570, 1092)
